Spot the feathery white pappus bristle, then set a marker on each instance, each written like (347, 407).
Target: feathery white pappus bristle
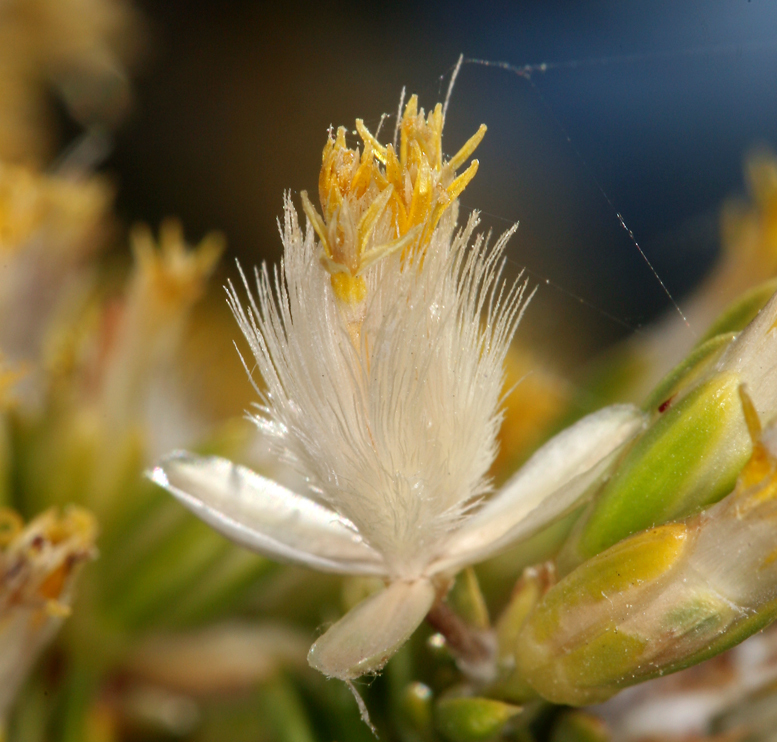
(398, 431)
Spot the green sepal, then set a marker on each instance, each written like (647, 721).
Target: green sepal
(688, 372)
(510, 685)
(526, 594)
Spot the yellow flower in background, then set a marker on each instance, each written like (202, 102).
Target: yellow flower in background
(38, 567)
(168, 278)
(384, 392)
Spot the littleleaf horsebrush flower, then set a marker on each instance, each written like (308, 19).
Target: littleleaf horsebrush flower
(381, 340)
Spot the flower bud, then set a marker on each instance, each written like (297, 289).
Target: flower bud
(416, 705)
(577, 726)
(534, 583)
(663, 599)
(472, 719)
(690, 456)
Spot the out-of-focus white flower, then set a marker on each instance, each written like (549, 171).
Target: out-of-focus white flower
(169, 277)
(50, 226)
(381, 345)
(108, 370)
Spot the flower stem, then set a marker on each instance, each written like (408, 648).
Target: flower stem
(472, 647)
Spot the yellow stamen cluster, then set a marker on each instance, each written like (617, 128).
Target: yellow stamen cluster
(375, 203)
(38, 561)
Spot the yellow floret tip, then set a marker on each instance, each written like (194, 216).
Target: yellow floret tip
(349, 289)
(374, 203)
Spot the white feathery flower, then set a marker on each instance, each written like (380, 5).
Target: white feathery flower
(381, 340)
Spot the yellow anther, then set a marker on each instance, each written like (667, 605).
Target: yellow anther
(316, 221)
(421, 203)
(383, 251)
(411, 111)
(464, 153)
(378, 149)
(366, 171)
(453, 191)
(371, 216)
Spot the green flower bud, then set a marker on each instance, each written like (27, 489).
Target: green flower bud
(467, 600)
(472, 719)
(416, 701)
(690, 456)
(579, 727)
(533, 584)
(663, 599)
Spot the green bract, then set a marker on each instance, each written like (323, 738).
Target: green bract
(690, 456)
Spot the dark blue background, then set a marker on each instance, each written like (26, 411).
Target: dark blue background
(235, 98)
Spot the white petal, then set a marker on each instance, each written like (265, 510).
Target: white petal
(365, 638)
(261, 515)
(549, 485)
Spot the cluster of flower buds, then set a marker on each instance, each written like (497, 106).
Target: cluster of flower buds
(640, 600)
(662, 599)
(698, 440)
